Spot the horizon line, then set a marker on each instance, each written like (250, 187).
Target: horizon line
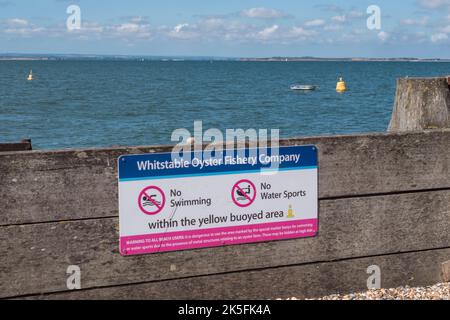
(48, 55)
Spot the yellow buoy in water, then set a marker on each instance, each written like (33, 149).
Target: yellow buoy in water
(341, 87)
(30, 75)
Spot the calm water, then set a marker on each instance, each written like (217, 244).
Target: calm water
(103, 103)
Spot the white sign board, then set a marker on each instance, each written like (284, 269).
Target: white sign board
(169, 205)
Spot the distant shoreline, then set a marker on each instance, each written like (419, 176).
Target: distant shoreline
(344, 59)
(56, 57)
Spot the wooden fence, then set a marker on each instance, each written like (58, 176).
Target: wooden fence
(384, 200)
(24, 145)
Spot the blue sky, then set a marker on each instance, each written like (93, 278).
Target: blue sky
(245, 28)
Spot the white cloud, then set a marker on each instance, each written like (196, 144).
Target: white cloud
(333, 27)
(138, 19)
(348, 17)
(383, 36)
(267, 33)
(214, 23)
(127, 31)
(92, 27)
(20, 27)
(128, 28)
(434, 4)
(315, 23)
(16, 22)
(439, 37)
(354, 14)
(299, 32)
(339, 19)
(179, 28)
(183, 31)
(24, 32)
(416, 22)
(341, 28)
(262, 13)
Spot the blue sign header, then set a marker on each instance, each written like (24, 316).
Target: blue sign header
(162, 165)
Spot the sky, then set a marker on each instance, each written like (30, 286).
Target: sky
(231, 28)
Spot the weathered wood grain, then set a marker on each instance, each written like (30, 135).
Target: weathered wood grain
(421, 104)
(79, 184)
(304, 281)
(60, 185)
(446, 271)
(35, 257)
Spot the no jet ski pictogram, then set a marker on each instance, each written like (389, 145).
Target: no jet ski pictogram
(151, 200)
(243, 193)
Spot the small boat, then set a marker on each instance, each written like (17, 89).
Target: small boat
(30, 76)
(303, 87)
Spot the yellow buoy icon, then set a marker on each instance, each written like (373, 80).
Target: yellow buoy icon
(290, 212)
(341, 86)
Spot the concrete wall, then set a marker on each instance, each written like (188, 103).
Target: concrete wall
(384, 200)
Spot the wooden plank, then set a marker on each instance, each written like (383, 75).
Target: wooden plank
(24, 145)
(60, 185)
(304, 281)
(65, 185)
(35, 257)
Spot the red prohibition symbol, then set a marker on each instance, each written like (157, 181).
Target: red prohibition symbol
(243, 193)
(151, 200)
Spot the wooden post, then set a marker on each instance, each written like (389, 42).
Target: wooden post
(24, 145)
(421, 104)
(446, 271)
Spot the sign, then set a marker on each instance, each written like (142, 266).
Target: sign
(153, 198)
(232, 197)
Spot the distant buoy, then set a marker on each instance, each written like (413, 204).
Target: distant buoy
(30, 76)
(341, 86)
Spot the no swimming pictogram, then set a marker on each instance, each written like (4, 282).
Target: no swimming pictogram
(151, 200)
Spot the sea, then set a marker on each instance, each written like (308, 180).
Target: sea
(83, 104)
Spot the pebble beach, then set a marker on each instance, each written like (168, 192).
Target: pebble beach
(439, 291)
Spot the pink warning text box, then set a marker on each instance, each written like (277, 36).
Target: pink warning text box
(214, 237)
